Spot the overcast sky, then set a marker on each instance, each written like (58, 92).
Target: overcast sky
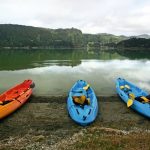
(128, 17)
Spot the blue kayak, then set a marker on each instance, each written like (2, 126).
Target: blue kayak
(125, 89)
(82, 114)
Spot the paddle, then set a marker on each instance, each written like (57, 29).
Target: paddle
(146, 100)
(86, 87)
(130, 101)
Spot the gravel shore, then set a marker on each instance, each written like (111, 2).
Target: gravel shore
(43, 123)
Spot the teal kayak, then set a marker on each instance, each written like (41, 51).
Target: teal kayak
(136, 97)
(82, 114)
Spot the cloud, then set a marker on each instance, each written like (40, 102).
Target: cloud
(130, 17)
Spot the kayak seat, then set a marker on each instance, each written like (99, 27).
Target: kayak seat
(81, 100)
(143, 99)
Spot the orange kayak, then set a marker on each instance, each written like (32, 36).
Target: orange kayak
(15, 97)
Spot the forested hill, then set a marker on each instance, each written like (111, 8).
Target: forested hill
(22, 36)
(27, 36)
(134, 43)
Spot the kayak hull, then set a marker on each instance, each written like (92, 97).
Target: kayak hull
(16, 99)
(82, 115)
(142, 108)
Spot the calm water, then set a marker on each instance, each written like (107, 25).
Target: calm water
(54, 72)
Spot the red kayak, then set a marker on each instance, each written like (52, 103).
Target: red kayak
(15, 97)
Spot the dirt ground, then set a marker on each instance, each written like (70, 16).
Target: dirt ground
(43, 123)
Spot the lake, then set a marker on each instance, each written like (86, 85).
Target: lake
(55, 71)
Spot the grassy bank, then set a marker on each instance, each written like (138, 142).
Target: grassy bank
(43, 123)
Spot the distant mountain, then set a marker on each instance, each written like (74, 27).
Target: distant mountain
(145, 36)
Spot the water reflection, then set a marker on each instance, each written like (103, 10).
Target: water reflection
(23, 59)
(101, 74)
(130, 54)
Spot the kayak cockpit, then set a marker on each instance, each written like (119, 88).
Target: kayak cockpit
(131, 90)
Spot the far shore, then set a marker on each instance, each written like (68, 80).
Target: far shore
(94, 49)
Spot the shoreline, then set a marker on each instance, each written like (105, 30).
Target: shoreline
(49, 98)
(84, 48)
(43, 123)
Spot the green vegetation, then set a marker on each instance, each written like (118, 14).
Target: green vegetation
(98, 138)
(43, 57)
(27, 37)
(14, 36)
(134, 43)
(103, 39)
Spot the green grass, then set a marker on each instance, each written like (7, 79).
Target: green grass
(111, 139)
